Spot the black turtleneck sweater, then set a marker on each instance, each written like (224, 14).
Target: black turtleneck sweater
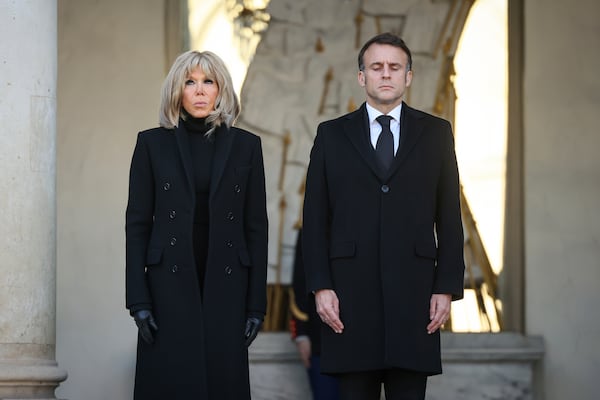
(202, 150)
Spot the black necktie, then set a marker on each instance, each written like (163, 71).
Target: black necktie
(385, 143)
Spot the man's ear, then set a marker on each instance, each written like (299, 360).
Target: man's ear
(361, 78)
(409, 76)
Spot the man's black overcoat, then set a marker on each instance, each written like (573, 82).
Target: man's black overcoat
(385, 242)
(199, 350)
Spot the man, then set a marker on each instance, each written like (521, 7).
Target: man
(382, 234)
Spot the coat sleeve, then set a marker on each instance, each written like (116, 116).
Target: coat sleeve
(256, 231)
(449, 277)
(138, 227)
(299, 300)
(316, 219)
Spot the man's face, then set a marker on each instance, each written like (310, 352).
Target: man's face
(385, 76)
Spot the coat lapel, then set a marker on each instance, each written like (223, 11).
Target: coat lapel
(183, 144)
(410, 130)
(223, 141)
(357, 129)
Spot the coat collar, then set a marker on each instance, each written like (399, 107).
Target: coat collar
(223, 137)
(357, 128)
(183, 144)
(410, 129)
(223, 141)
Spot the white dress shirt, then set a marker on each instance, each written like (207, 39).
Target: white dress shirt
(375, 126)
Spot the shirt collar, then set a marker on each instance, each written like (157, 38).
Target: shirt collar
(374, 113)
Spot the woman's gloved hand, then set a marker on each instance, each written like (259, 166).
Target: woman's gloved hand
(253, 325)
(146, 324)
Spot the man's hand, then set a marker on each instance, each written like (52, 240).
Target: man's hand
(146, 324)
(328, 308)
(304, 349)
(253, 325)
(439, 311)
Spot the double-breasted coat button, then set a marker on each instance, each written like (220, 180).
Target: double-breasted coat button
(385, 188)
(172, 214)
(167, 186)
(229, 244)
(228, 270)
(174, 268)
(173, 241)
(237, 188)
(230, 216)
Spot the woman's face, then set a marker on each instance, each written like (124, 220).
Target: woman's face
(199, 94)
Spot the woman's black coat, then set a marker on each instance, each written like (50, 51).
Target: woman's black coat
(199, 350)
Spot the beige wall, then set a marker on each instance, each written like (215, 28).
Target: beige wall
(110, 68)
(562, 191)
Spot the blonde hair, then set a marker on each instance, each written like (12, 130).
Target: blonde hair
(227, 105)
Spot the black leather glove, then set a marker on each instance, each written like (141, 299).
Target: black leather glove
(145, 323)
(253, 325)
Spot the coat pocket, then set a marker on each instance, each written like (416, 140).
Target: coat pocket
(244, 257)
(426, 250)
(154, 255)
(342, 250)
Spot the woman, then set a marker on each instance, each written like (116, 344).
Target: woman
(196, 230)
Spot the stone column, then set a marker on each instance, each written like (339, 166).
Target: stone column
(28, 60)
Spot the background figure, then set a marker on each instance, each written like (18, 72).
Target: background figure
(382, 234)
(305, 327)
(196, 230)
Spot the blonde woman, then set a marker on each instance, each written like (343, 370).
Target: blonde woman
(196, 239)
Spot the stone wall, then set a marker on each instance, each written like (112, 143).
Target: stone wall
(562, 192)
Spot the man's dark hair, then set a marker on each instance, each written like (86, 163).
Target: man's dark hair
(385, 38)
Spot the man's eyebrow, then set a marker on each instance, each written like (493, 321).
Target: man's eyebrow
(379, 63)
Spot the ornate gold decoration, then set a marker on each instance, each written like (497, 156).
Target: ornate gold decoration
(296, 312)
(319, 46)
(301, 191)
(287, 139)
(445, 87)
(358, 20)
(328, 78)
(351, 105)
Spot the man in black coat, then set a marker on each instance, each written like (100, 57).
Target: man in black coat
(383, 240)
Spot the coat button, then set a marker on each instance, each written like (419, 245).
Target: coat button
(385, 188)
(237, 188)
(167, 186)
(230, 216)
(229, 243)
(174, 268)
(172, 214)
(228, 270)
(173, 241)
